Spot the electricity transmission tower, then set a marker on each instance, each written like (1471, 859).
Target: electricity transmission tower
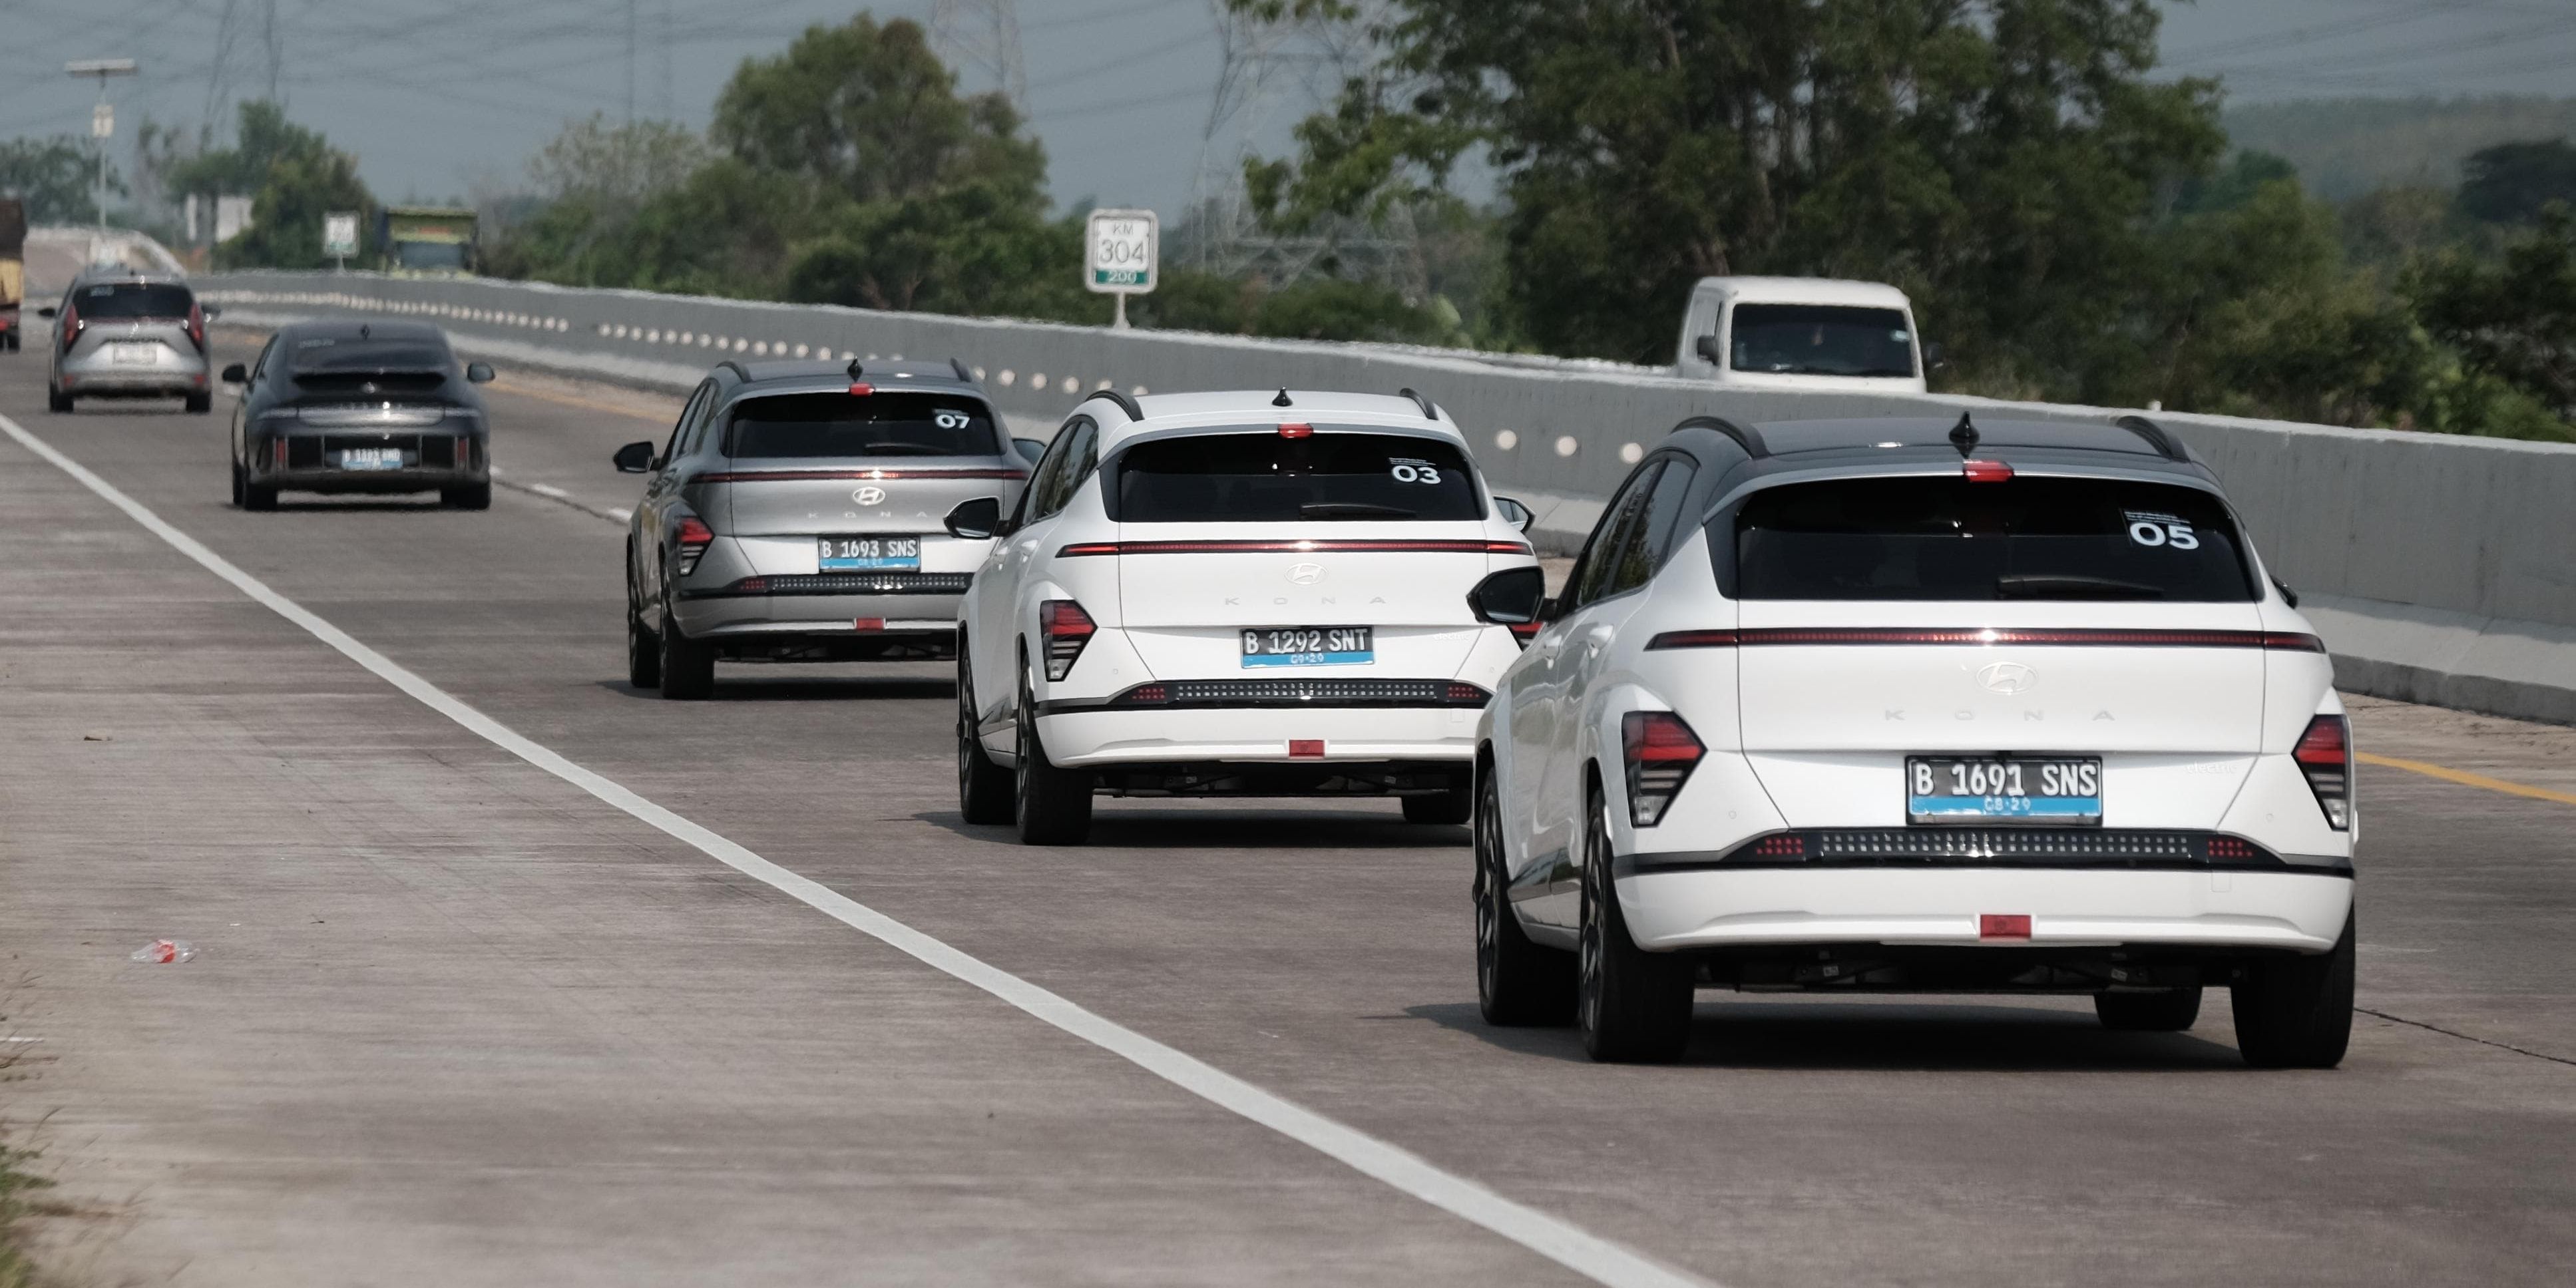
(984, 35)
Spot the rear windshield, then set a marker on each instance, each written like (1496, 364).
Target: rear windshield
(882, 424)
(1819, 340)
(2026, 538)
(325, 355)
(1265, 477)
(133, 300)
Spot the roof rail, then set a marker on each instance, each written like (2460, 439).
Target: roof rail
(1124, 402)
(962, 372)
(1429, 412)
(735, 366)
(2166, 445)
(1745, 436)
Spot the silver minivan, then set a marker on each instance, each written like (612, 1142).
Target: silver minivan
(799, 513)
(120, 333)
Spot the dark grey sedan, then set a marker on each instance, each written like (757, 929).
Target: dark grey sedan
(364, 407)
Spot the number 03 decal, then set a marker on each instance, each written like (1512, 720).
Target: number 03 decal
(1416, 474)
(2177, 535)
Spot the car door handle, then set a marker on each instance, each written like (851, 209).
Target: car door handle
(1595, 637)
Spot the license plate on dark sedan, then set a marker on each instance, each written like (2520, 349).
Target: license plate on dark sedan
(2003, 789)
(371, 458)
(867, 554)
(1309, 645)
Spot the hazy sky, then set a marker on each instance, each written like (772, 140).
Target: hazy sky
(436, 96)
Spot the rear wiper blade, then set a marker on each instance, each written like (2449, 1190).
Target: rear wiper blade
(2035, 585)
(1351, 510)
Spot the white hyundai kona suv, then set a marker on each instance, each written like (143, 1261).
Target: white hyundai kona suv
(1902, 705)
(1234, 594)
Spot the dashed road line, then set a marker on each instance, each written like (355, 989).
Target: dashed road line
(2465, 778)
(560, 497)
(1552, 1237)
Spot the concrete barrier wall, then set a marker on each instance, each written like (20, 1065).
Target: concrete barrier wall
(2467, 534)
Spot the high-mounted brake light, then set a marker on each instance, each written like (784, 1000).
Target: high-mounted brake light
(1296, 431)
(694, 538)
(1987, 471)
(2324, 754)
(861, 389)
(1065, 629)
(1661, 752)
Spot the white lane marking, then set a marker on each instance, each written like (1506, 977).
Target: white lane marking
(1558, 1240)
(552, 493)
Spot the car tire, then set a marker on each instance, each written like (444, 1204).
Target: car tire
(2296, 1012)
(2167, 1012)
(688, 666)
(200, 404)
(1632, 1006)
(57, 400)
(237, 483)
(258, 497)
(1519, 982)
(643, 653)
(1054, 804)
(985, 791)
(1452, 807)
(472, 496)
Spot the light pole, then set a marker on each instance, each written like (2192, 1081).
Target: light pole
(102, 118)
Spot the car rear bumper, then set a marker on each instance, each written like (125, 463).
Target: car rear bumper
(1254, 734)
(821, 615)
(1950, 907)
(370, 481)
(133, 382)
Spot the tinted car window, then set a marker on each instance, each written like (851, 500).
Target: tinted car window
(1075, 454)
(882, 424)
(1266, 477)
(320, 354)
(1616, 540)
(1950, 539)
(1817, 340)
(133, 300)
(1663, 514)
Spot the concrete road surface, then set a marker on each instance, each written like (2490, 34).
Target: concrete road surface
(460, 1019)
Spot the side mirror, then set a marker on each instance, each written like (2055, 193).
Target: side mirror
(235, 375)
(975, 520)
(1514, 513)
(2288, 596)
(634, 458)
(1707, 349)
(479, 372)
(1029, 449)
(1932, 358)
(45, 312)
(211, 310)
(1512, 597)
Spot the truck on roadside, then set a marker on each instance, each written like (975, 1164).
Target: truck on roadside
(13, 269)
(1803, 333)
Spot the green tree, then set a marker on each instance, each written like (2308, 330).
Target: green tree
(2513, 320)
(55, 177)
(2511, 183)
(293, 176)
(1998, 160)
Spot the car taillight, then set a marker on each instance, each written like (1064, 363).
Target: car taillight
(2324, 754)
(197, 326)
(71, 327)
(1662, 751)
(695, 537)
(1065, 628)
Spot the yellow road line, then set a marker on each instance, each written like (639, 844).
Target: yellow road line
(575, 400)
(2467, 779)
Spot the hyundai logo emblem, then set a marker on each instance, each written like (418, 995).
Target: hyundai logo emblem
(2008, 678)
(868, 495)
(1306, 574)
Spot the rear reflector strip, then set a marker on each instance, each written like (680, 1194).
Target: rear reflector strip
(1306, 748)
(833, 476)
(1312, 691)
(1986, 635)
(1356, 546)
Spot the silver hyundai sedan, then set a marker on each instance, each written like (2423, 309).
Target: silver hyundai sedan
(119, 333)
(798, 513)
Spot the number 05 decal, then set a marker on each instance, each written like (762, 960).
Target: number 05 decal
(2177, 535)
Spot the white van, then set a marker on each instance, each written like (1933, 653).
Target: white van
(1808, 333)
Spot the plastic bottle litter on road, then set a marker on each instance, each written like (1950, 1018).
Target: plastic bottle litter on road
(165, 951)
